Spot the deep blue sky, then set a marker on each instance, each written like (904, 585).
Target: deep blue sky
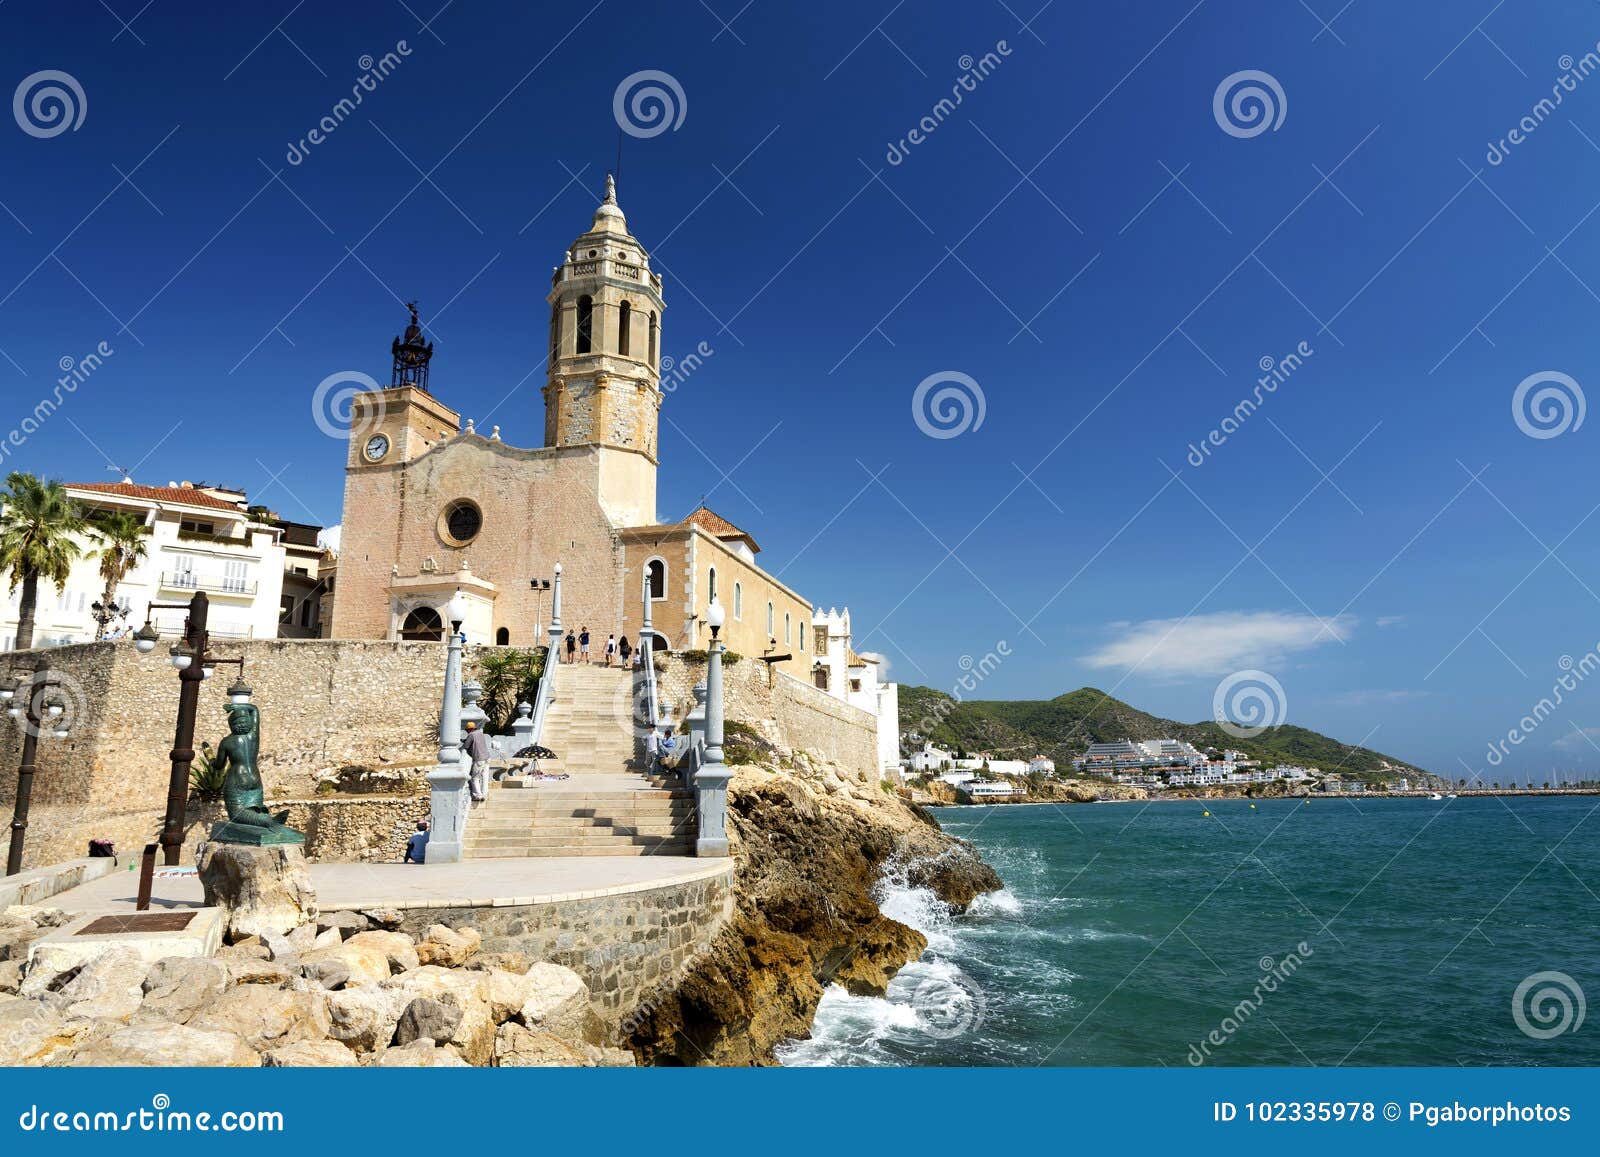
(830, 283)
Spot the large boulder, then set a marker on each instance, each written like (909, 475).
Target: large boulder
(427, 1016)
(179, 986)
(474, 1036)
(397, 946)
(260, 890)
(156, 1044)
(367, 963)
(516, 1047)
(449, 947)
(34, 1034)
(325, 1054)
(420, 1054)
(364, 1018)
(10, 976)
(347, 924)
(558, 1002)
(507, 992)
(267, 1017)
(109, 987)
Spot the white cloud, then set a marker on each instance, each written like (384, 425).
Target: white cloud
(331, 537)
(1217, 644)
(1390, 620)
(1579, 739)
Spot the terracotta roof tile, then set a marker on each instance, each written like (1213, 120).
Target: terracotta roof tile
(158, 494)
(713, 523)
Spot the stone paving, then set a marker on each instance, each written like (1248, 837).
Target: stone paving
(485, 883)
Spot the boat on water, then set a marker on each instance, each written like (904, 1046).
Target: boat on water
(1436, 795)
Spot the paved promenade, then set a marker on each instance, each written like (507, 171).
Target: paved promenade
(469, 884)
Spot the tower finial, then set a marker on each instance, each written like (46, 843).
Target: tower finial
(611, 189)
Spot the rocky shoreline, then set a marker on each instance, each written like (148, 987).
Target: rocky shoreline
(811, 845)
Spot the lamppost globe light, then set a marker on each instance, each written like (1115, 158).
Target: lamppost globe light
(62, 731)
(145, 641)
(715, 615)
(558, 568)
(457, 608)
(55, 708)
(240, 692)
(8, 688)
(181, 657)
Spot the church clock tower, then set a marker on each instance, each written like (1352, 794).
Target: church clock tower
(603, 386)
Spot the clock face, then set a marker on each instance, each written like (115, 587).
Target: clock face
(377, 447)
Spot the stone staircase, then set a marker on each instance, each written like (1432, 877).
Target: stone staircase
(608, 807)
(589, 724)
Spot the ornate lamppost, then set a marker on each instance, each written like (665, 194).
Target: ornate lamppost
(447, 782)
(41, 710)
(711, 780)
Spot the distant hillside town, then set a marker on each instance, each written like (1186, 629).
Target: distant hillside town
(1154, 765)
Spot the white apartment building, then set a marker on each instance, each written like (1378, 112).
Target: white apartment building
(854, 678)
(200, 539)
(1040, 765)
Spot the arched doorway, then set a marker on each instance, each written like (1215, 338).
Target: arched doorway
(423, 625)
(502, 637)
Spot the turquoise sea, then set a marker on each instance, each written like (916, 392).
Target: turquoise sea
(1454, 932)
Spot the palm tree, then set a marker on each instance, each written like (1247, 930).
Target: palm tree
(38, 529)
(122, 546)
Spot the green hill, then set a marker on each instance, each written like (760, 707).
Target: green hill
(1062, 727)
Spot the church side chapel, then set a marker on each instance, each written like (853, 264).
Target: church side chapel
(433, 506)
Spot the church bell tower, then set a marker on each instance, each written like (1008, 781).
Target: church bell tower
(603, 387)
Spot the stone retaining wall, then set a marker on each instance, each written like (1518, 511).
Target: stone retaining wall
(791, 713)
(370, 830)
(324, 704)
(632, 945)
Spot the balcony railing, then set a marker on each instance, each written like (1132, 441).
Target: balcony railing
(211, 584)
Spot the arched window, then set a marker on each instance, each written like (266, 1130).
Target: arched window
(624, 325)
(711, 586)
(653, 328)
(786, 636)
(738, 600)
(657, 570)
(803, 633)
(423, 625)
(585, 324)
(502, 637)
(771, 621)
(555, 333)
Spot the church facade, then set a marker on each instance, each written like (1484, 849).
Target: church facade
(433, 507)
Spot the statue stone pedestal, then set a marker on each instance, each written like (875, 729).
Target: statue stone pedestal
(262, 891)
